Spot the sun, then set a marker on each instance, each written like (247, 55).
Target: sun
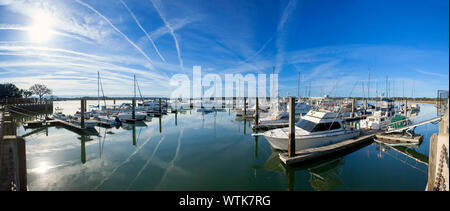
(41, 29)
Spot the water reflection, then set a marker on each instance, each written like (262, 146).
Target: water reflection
(324, 174)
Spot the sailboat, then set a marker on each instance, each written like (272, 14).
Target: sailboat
(103, 117)
(126, 112)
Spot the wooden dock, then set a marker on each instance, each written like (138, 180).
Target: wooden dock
(314, 153)
(56, 122)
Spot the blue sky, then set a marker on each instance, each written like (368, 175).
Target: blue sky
(333, 44)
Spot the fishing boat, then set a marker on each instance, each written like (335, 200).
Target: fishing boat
(59, 115)
(301, 108)
(382, 116)
(88, 123)
(315, 129)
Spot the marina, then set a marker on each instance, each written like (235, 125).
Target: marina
(187, 129)
(273, 95)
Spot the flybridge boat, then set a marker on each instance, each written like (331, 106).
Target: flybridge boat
(301, 108)
(315, 129)
(381, 117)
(59, 115)
(126, 114)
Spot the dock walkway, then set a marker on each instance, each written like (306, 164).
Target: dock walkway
(313, 153)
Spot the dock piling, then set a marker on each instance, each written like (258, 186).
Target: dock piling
(291, 144)
(245, 106)
(83, 109)
(133, 112)
(257, 112)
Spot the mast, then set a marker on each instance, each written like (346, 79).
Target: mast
(298, 86)
(98, 89)
(368, 87)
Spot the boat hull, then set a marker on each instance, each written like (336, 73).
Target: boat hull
(309, 141)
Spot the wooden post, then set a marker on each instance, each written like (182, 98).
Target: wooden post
(353, 107)
(245, 107)
(257, 112)
(83, 107)
(160, 106)
(406, 107)
(114, 101)
(133, 112)
(365, 106)
(291, 143)
(22, 163)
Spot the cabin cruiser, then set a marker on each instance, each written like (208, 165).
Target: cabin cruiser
(415, 107)
(381, 117)
(88, 123)
(301, 108)
(315, 129)
(59, 115)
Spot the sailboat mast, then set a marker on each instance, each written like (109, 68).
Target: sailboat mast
(368, 87)
(98, 89)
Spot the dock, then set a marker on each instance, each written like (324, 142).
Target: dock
(56, 122)
(13, 170)
(270, 126)
(314, 153)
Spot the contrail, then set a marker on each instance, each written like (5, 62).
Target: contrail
(117, 30)
(170, 30)
(148, 162)
(125, 161)
(145, 32)
(171, 165)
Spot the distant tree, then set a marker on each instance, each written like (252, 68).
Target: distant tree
(26, 93)
(40, 90)
(9, 90)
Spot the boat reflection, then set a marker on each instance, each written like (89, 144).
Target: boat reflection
(324, 174)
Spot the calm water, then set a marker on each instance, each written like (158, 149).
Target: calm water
(214, 151)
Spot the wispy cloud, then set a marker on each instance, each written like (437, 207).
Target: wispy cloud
(116, 29)
(143, 30)
(157, 5)
(431, 73)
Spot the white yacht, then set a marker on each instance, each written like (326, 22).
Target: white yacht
(382, 116)
(300, 108)
(88, 123)
(59, 115)
(315, 129)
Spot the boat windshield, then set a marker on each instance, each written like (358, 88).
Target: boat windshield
(306, 125)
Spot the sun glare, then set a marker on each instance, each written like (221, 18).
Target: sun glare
(41, 30)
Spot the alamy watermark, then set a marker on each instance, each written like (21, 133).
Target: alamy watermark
(212, 86)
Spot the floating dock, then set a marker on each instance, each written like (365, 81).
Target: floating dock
(314, 153)
(57, 122)
(270, 126)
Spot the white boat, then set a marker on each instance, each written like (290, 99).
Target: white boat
(107, 120)
(381, 117)
(301, 108)
(126, 116)
(88, 123)
(59, 115)
(315, 129)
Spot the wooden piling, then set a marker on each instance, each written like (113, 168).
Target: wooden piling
(160, 106)
(245, 106)
(133, 112)
(353, 107)
(257, 112)
(291, 144)
(83, 109)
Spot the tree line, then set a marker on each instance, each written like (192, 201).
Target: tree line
(9, 90)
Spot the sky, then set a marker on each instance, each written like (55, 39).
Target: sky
(334, 45)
